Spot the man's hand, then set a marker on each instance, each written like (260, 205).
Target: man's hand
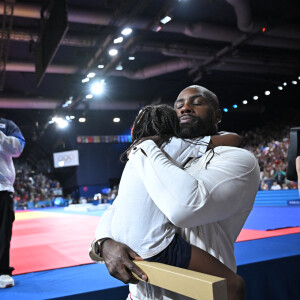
(119, 261)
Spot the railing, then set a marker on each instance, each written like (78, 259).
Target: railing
(185, 282)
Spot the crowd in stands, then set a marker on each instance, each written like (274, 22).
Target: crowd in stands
(35, 188)
(270, 147)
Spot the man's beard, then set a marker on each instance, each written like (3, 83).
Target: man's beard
(198, 127)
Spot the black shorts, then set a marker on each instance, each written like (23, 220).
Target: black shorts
(177, 254)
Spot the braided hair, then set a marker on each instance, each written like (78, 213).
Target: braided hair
(154, 120)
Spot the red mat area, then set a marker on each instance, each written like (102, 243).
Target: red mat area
(43, 241)
(249, 234)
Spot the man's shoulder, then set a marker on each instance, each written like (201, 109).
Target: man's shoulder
(231, 155)
(227, 150)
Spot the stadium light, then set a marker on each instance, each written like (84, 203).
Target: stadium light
(255, 97)
(118, 40)
(126, 31)
(91, 75)
(97, 88)
(267, 93)
(165, 20)
(113, 52)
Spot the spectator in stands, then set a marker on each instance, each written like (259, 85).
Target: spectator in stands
(276, 186)
(279, 175)
(12, 144)
(264, 186)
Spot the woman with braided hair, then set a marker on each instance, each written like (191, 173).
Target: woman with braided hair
(148, 231)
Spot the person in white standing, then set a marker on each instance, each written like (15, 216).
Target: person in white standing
(12, 144)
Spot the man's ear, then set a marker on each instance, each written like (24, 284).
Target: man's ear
(218, 115)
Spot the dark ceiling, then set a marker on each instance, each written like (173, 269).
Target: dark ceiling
(237, 48)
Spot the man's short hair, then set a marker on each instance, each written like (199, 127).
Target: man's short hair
(207, 95)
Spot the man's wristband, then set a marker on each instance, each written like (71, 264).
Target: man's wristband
(100, 244)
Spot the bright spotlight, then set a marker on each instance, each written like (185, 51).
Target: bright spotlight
(72, 117)
(294, 82)
(255, 97)
(285, 84)
(82, 120)
(166, 19)
(85, 80)
(126, 31)
(97, 88)
(116, 120)
(267, 93)
(280, 88)
(91, 75)
(131, 58)
(113, 52)
(225, 109)
(89, 96)
(118, 40)
(61, 123)
(245, 101)
(234, 106)
(100, 66)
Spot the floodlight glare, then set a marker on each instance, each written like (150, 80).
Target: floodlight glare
(82, 120)
(97, 88)
(116, 120)
(126, 31)
(72, 117)
(166, 19)
(118, 40)
(245, 101)
(285, 84)
(294, 82)
(131, 58)
(61, 123)
(255, 97)
(267, 93)
(100, 66)
(89, 96)
(113, 52)
(91, 75)
(85, 80)
(280, 88)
